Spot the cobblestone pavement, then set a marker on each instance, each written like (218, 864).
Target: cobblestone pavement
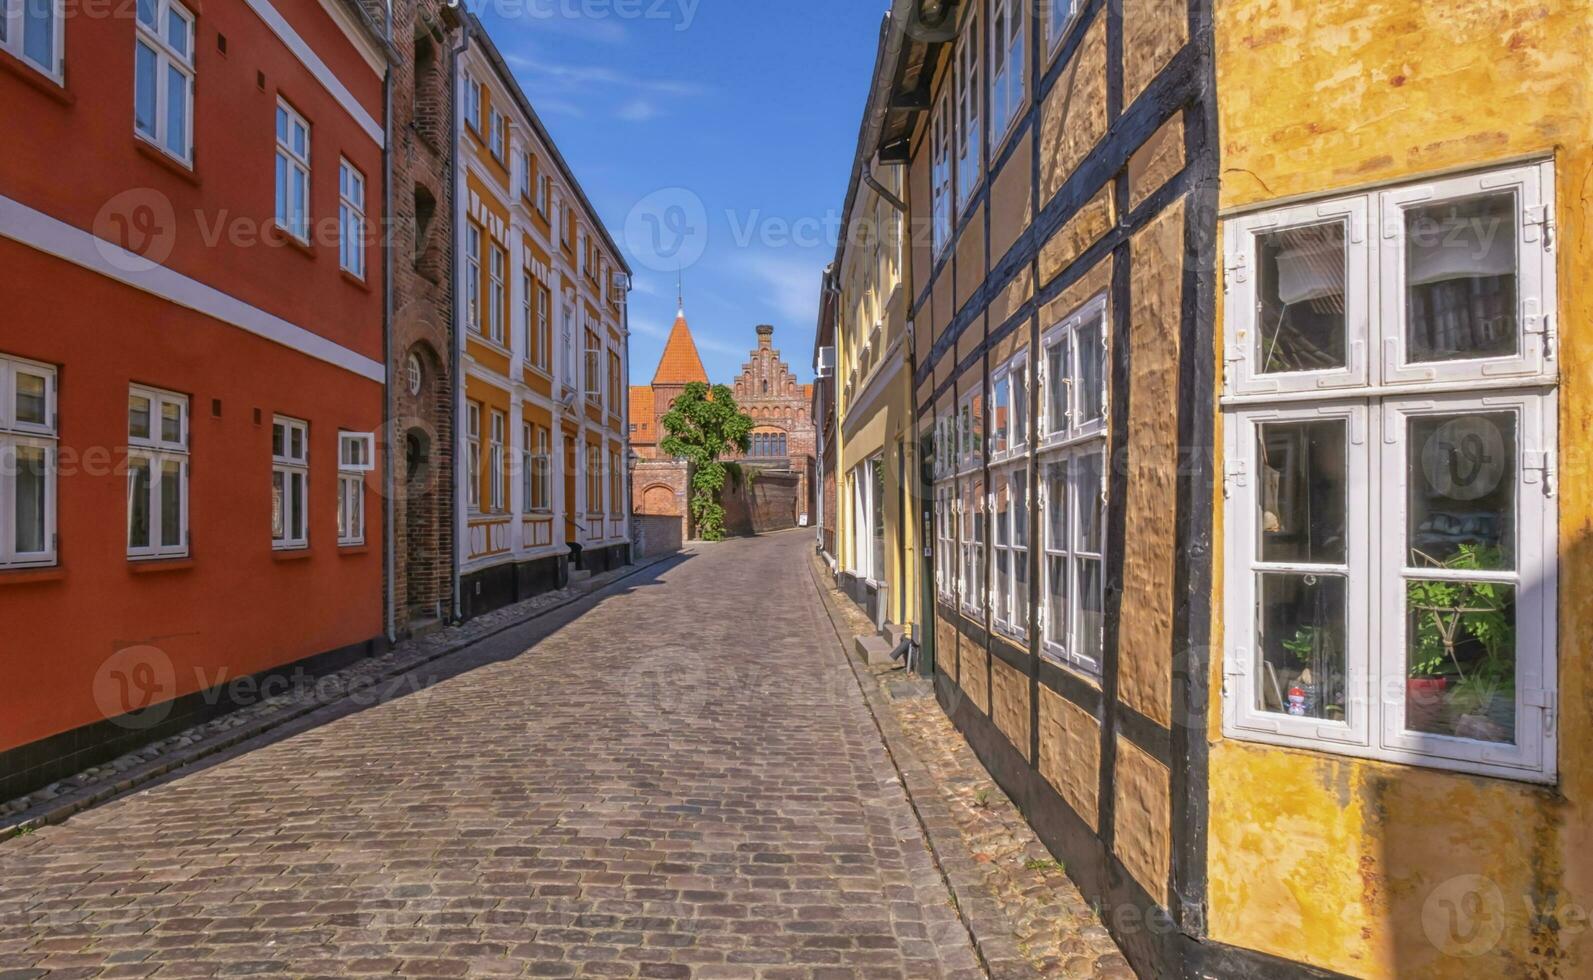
(1027, 915)
(675, 778)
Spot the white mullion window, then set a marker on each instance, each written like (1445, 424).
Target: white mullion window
(969, 136)
(1009, 76)
(473, 457)
(293, 172)
(527, 469)
(290, 483)
(1059, 15)
(1073, 506)
(940, 177)
(1009, 516)
(473, 100)
(1391, 567)
(594, 365)
(527, 323)
(1073, 390)
(28, 446)
(356, 456)
(496, 460)
(473, 310)
(500, 137)
(544, 331)
(497, 299)
(163, 76)
(351, 219)
(35, 32)
(542, 473)
(157, 473)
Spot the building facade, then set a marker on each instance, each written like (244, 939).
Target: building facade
(191, 475)
(543, 353)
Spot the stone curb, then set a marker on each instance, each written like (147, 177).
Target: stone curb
(998, 953)
(58, 810)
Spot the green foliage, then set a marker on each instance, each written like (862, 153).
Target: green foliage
(1448, 612)
(701, 426)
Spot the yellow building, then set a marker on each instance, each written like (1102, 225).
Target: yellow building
(876, 444)
(1401, 769)
(543, 484)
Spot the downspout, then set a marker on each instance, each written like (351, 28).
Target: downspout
(455, 346)
(830, 292)
(389, 413)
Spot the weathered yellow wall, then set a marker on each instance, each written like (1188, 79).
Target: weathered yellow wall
(1357, 866)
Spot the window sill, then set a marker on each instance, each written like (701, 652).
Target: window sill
(156, 566)
(170, 163)
(353, 280)
(282, 236)
(488, 342)
(38, 78)
(352, 549)
(32, 576)
(290, 554)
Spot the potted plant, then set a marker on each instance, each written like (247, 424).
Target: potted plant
(1316, 652)
(1462, 672)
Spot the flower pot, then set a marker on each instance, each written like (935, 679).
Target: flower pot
(1424, 703)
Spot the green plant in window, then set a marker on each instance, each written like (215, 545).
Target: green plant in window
(1449, 613)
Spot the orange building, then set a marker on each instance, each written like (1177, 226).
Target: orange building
(179, 432)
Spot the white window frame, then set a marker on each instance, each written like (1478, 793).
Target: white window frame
(500, 137)
(474, 314)
(1009, 85)
(292, 466)
(1060, 15)
(473, 457)
(13, 15)
(1005, 541)
(496, 459)
(1009, 382)
(543, 357)
(290, 160)
(155, 451)
(356, 456)
(168, 58)
(527, 298)
(497, 290)
(1061, 642)
(594, 483)
(616, 491)
(16, 434)
(593, 364)
(940, 175)
(473, 100)
(968, 109)
(350, 219)
(1393, 393)
(1068, 335)
(946, 517)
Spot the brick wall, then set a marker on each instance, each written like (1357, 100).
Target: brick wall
(768, 500)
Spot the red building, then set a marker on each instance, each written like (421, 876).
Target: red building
(191, 363)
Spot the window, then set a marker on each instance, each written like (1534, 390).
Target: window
(1009, 407)
(27, 463)
(969, 94)
(157, 474)
(497, 463)
(293, 173)
(594, 369)
(544, 327)
(473, 310)
(1009, 74)
(1391, 565)
(946, 540)
(971, 500)
(1009, 520)
(594, 481)
(615, 388)
(543, 187)
(1059, 15)
(535, 477)
(473, 457)
(500, 137)
(583, 254)
(473, 100)
(940, 154)
(351, 219)
(497, 297)
(769, 445)
(290, 479)
(568, 341)
(1072, 475)
(356, 454)
(616, 485)
(33, 30)
(527, 324)
(163, 76)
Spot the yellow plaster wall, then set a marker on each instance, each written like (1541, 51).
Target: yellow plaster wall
(1371, 869)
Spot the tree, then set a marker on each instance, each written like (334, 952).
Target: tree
(701, 426)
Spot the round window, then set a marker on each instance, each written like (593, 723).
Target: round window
(415, 374)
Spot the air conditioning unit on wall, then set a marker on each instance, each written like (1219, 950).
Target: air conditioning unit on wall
(824, 364)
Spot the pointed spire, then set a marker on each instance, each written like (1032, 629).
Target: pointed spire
(681, 363)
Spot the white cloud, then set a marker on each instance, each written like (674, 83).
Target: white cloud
(637, 110)
(791, 279)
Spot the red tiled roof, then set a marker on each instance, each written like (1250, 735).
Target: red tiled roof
(680, 364)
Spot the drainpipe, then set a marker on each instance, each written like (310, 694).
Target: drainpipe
(389, 546)
(455, 345)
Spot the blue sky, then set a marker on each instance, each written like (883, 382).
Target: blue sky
(724, 127)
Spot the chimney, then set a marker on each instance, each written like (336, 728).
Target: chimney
(765, 336)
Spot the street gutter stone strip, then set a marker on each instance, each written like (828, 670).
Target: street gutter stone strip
(92, 787)
(1025, 917)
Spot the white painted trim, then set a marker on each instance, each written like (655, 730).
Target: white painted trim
(322, 72)
(38, 230)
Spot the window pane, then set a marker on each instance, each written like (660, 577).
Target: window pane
(296, 442)
(1461, 639)
(1087, 476)
(144, 68)
(999, 586)
(1020, 406)
(1003, 513)
(1056, 582)
(342, 508)
(998, 435)
(176, 111)
(1460, 267)
(171, 422)
(1091, 384)
(1462, 475)
(1300, 645)
(1302, 471)
(138, 515)
(30, 502)
(1020, 508)
(171, 502)
(177, 32)
(1057, 506)
(146, 12)
(1092, 614)
(279, 525)
(138, 417)
(38, 32)
(1300, 299)
(1056, 382)
(296, 505)
(31, 406)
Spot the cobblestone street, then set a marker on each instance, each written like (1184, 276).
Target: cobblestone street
(676, 778)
